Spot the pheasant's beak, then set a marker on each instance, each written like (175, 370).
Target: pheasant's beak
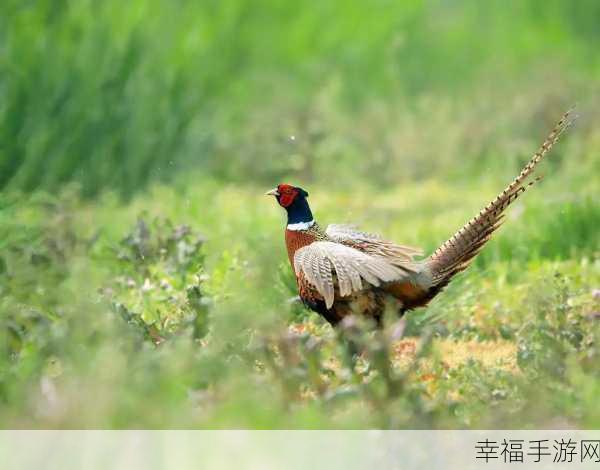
(273, 192)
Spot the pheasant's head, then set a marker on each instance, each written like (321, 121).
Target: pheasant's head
(293, 200)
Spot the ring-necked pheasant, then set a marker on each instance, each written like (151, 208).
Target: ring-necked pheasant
(342, 271)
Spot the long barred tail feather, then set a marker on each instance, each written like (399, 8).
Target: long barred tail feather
(456, 254)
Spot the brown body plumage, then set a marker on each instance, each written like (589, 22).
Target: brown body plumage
(342, 271)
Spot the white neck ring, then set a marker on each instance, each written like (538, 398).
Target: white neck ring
(301, 226)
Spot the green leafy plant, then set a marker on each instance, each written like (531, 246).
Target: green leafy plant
(160, 285)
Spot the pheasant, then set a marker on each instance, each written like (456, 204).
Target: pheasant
(342, 270)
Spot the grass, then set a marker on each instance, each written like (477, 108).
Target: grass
(113, 97)
(115, 315)
(143, 277)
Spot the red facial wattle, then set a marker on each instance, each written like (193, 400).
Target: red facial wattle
(287, 194)
(286, 199)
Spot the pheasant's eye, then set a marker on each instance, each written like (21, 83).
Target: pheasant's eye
(287, 196)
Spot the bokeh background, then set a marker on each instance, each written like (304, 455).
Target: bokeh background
(119, 96)
(143, 278)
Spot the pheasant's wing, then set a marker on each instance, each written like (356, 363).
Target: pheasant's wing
(325, 262)
(372, 244)
(349, 231)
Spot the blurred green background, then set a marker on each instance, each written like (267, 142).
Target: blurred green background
(143, 278)
(115, 96)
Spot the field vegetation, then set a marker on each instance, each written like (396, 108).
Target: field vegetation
(143, 276)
